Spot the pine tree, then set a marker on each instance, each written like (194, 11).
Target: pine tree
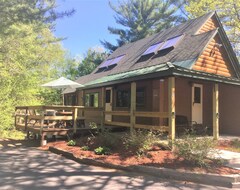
(141, 18)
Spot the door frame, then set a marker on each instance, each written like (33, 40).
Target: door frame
(108, 106)
(199, 120)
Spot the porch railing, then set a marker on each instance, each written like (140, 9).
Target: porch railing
(132, 124)
(25, 114)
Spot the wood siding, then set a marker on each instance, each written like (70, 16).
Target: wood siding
(229, 109)
(214, 60)
(211, 24)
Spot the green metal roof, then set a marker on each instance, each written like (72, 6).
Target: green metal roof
(161, 70)
(130, 74)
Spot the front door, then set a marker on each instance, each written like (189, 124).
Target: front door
(197, 103)
(108, 103)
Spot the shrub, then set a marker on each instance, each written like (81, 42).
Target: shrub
(85, 148)
(195, 150)
(140, 141)
(105, 136)
(11, 134)
(102, 150)
(236, 143)
(71, 143)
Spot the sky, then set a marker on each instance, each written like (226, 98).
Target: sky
(85, 28)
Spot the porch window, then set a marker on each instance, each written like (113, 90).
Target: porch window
(140, 97)
(124, 97)
(69, 100)
(91, 100)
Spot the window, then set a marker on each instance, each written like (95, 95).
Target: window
(91, 100)
(197, 95)
(123, 98)
(108, 96)
(69, 100)
(140, 97)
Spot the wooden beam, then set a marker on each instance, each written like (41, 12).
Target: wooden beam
(133, 105)
(118, 113)
(114, 123)
(171, 107)
(26, 119)
(215, 112)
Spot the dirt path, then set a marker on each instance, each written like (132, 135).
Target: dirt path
(23, 167)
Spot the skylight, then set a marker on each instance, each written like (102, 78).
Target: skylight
(153, 48)
(172, 42)
(106, 63)
(117, 59)
(113, 61)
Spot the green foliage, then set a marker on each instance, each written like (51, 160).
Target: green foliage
(141, 140)
(30, 54)
(71, 143)
(85, 148)
(105, 136)
(141, 18)
(195, 150)
(228, 12)
(11, 134)
(92, 59)
(102, 150)
(236, 143)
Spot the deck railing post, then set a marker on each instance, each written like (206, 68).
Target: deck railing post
(171, 108)
(26, 119)
(75, 114)
(215, 112)
(133, 106)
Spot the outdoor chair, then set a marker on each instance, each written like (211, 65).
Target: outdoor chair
(183, 125)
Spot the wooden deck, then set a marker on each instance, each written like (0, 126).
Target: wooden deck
(65, 120)
(50, 120)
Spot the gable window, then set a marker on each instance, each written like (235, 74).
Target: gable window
(91, 100)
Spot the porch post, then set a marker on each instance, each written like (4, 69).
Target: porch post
(215, 112)
(103, 107)
(133, 106)
(171, 108)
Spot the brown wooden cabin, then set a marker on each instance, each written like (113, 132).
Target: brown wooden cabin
(189, 70)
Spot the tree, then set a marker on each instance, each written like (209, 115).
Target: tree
(92, 59)
(141, 18)
(228, 12)
(29, 53)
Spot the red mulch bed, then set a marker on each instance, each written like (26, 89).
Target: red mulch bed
(227, 145)
(155, 157)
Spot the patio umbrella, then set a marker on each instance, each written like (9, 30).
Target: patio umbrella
(62, 83)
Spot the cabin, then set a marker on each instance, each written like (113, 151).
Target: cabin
(183, 77)
(185, 73)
